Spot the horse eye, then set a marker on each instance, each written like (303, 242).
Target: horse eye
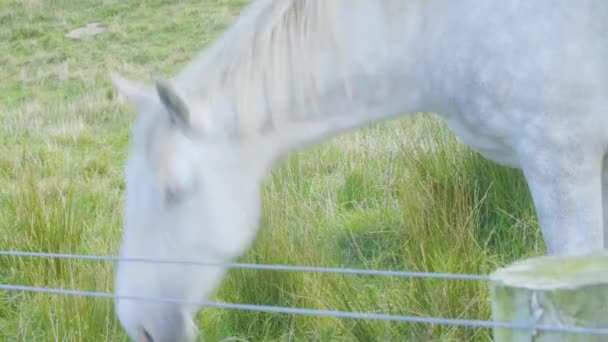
(173, 196)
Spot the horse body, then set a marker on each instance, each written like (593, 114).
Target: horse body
(523, 83)
(530, 93)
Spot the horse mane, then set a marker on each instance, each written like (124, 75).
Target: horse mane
(270, 55)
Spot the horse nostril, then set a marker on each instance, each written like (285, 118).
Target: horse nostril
(146, 336)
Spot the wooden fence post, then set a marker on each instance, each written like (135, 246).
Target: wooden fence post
(551, 291)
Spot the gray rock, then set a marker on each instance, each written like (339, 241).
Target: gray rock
(89, 30)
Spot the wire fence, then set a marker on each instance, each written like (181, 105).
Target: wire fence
(351, 271)
(473, 323)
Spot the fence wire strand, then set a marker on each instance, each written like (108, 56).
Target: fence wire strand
(290, 310)
(315, 312)
(352, 271)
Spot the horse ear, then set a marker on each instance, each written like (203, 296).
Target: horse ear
(179, 114)
(136, 92)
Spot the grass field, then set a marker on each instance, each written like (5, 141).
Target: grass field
(403, 195)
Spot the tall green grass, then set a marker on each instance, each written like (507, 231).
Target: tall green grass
(402, 195)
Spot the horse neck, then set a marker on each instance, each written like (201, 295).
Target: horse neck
(301, 71)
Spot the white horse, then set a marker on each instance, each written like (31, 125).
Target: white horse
(522, 82)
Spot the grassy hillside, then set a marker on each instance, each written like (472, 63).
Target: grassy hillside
(403, 195)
